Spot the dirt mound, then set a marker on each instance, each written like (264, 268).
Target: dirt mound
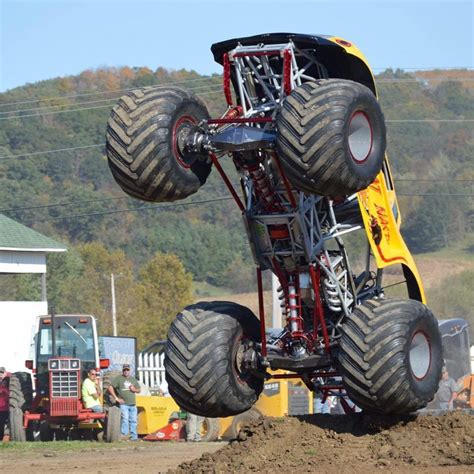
(346, 443)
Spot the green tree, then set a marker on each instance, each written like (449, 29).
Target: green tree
(453, 298)
(164, 289)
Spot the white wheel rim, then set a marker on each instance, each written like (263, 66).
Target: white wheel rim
(420, 355)
(360, 137)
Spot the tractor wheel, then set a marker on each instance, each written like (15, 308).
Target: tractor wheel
(17, 431)
(145, 137)
(391, 356)
(20, 399)
(243, 419)
(331, 137)
(46, 434)
(112, 425)
(210, 429)
(21, 390)
(203, 359)
(106, 382)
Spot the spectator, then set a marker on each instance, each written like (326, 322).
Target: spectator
(4, 401)
(164, 392)
(123, 389)
(447, 391)
(194, 427)
(91, 392)
(319, 406)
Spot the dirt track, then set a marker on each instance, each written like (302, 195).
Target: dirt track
(341, 443)
(318, 443)
(132, 458)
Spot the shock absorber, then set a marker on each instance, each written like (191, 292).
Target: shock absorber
(233, 112)
(295, 320)
(264, 189)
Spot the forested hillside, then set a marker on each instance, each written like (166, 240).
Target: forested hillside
(68, 192)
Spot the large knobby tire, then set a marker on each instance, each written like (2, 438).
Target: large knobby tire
(391, 356)
(144, 143)
(112, 425)
(331, 137)
(20, 399)
(21, 390)
(17, 431)
(202, 356)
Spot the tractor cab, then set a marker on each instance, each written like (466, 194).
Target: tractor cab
(65, 343)
(66, 347)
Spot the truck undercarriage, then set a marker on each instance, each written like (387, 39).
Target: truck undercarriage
(307, 137)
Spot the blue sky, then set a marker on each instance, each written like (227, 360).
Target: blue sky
(45, 39)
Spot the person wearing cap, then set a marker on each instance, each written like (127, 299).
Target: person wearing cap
(123, 389)
(4, 401)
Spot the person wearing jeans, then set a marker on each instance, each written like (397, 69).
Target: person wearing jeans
(193, 427)
(128, 421)
(123, 389)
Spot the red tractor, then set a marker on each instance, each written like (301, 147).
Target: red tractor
(307, 136)
(65, 349)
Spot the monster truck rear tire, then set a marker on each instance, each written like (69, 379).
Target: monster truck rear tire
(331, 137)
(203, 355)
(391, 356)
(144, 140)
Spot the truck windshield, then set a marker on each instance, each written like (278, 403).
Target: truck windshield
(73, 338)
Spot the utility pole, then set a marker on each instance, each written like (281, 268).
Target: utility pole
(114, 309)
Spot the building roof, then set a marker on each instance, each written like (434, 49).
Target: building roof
(16, 236)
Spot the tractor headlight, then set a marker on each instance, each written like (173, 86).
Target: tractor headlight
(53, 364)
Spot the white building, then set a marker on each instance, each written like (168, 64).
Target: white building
(22, 251)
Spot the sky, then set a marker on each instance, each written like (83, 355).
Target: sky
(45, 39)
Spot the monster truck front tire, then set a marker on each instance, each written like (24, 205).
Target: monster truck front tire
(331, 137)
(391, 356)
(145, 140)
(203, 359)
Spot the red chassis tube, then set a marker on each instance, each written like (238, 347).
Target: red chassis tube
(83, 415)
(314, 273)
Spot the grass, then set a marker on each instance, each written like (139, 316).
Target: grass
(459, 251)
(59, 446)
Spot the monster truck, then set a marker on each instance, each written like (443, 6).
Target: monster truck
(307, 136)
